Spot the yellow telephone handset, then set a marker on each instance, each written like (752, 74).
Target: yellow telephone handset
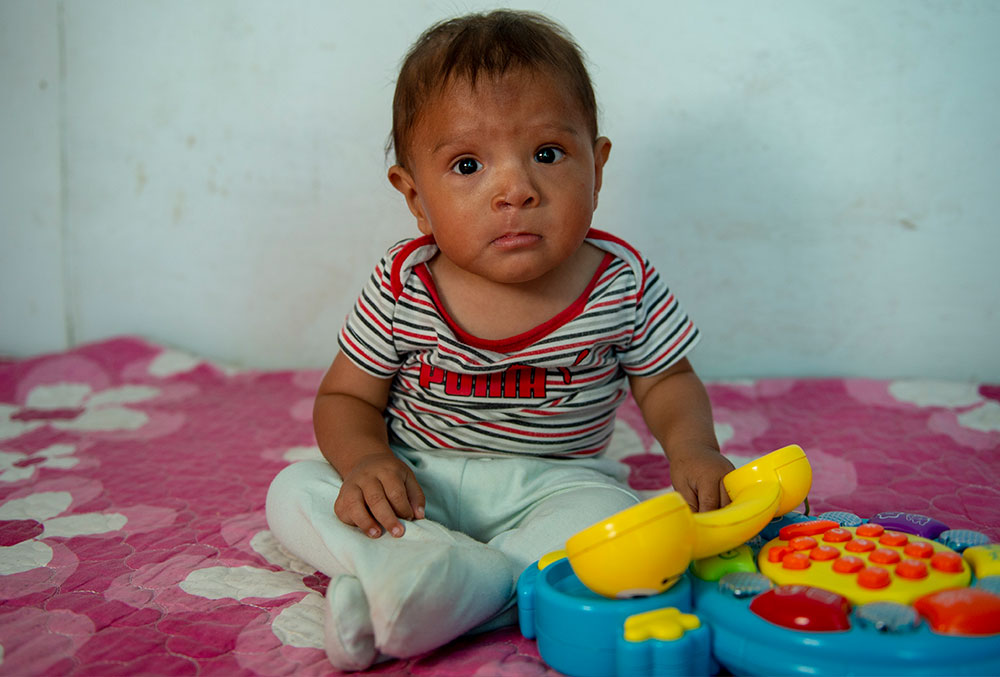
(643, 550)
(759, 491)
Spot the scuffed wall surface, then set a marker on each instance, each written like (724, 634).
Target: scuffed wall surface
(816, 180)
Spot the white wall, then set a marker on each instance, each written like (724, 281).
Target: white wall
(817, 179)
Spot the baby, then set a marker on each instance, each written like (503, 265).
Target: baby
(465, 416)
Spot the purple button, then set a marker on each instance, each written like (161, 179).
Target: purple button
(910, 523)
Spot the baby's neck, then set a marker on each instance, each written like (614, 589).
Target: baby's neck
(494, 311)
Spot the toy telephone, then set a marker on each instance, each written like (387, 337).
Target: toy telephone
(896, 594)
(644, 550)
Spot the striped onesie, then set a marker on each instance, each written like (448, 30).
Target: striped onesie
(551, 391)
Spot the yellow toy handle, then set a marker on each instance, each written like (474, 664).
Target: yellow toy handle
(759, 491)
(644, 549)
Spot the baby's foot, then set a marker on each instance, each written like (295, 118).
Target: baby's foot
(440, 591)
(347, 625)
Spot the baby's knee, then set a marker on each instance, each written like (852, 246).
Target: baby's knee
(587, 504)
(299, 485)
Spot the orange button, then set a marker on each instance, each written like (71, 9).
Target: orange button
(848, 565)
(824, 553)
(912, 569)
(873, 578)
(920, 549)
(947, 562)
(961, 611)
(790, 531)
(837, 536)
(870, 530)
(884, 556)
(796, 560)
(894, 538)
(860, 545)
(802, 543)
(777, 553)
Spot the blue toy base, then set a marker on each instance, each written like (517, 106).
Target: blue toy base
(580, 633)
(710, 622)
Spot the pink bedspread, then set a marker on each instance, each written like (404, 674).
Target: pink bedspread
(132, 484)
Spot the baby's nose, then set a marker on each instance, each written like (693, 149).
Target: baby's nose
(515, 188)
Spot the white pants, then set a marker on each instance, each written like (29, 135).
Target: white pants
(488, 518)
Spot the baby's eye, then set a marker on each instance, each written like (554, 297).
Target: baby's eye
(548, 155)
(466, 166)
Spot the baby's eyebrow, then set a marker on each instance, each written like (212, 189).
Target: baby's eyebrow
(560, 128)
(456, 137)
(455, 141)
(470, 137)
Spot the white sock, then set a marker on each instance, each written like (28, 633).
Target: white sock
(449, 591)
(347, 625)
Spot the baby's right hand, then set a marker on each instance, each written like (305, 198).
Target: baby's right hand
(378, 491)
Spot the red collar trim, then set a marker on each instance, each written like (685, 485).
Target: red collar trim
(525, 339)
(521, 341)
(405, 253)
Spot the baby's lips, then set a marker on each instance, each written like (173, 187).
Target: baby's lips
(515, 240)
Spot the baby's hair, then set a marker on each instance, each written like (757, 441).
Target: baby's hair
(485, 45)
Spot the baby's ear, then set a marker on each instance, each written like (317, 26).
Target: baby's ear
(402, 180)
(602, 149)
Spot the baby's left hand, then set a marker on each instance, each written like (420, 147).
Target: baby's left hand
(696, 473)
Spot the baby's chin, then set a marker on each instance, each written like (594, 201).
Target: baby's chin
(517, 275)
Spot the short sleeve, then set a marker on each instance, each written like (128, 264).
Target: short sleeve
(662, 334)
(366, 337)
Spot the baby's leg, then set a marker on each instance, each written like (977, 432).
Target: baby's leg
(421, 590)
(564, 507)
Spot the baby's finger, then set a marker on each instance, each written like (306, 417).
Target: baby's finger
(382, 510)
(689, 495)
(708, 496)
(398, 495)
(724, 499)
(351, 509)
(416, 496)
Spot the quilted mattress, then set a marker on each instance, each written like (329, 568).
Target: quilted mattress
(133, 477)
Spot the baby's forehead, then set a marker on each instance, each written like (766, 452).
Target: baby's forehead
(477, 90)
(520, 104)
(495, 89)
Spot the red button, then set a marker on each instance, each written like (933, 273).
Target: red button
(848, 565)
(790, 531)
(870, 530)
(837, 536)
(884, 556)
(920, 549)
(894, 539)
(803, 608)
(796, 560)
(860, 545)
(947, 562)
(913, 569)
(873, 578)
(824, 553)
(802, 543)
(777, 553)
(961, 611)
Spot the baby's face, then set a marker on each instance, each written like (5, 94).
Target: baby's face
(504, 175)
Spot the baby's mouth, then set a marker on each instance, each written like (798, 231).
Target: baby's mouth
(516, 240)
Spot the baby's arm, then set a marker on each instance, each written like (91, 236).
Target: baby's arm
(378, 488)
(676, 408)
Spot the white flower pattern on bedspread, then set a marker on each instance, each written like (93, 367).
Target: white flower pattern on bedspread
(15, 466)
(41, 512)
